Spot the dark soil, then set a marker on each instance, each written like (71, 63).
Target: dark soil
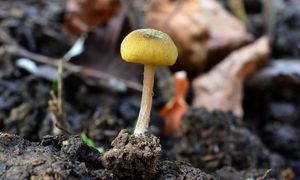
(276, 118)
(286, 22)
(58, 157)
(35, 25)
(212, 140)
(70, 158)
(53, 158)
(287, 35)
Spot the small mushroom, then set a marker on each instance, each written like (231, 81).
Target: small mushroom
(151, 48)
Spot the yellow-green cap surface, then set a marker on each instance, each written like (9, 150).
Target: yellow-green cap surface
(149, 46)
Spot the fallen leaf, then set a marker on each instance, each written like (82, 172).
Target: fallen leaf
(101, 51)
(226, 32)
(81, 15)
(222, 87)
(176, 107)
(203, 31)
(185, 23)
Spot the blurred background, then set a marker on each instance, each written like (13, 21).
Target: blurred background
(232, 98)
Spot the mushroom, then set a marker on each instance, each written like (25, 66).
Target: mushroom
(151, 48)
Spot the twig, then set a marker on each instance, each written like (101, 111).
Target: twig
(166, 83)
(265, 175)
(136, 18)
(60, 122)
(5, 38)
(57, 128)
(269, 18)
(56, 108)
(19, 51)
(60, 86)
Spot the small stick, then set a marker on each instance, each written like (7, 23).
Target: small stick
(60, 86)
(56, 104)
(63, 121)
(265, 175)
(60, 123)
(136, 17)
(16, 50)
(269, 18)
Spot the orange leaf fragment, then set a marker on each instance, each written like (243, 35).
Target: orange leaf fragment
(81, 15)
(176, 107)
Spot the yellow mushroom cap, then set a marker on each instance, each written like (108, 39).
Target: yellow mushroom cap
(149, 46)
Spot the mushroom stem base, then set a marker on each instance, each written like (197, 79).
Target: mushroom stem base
(146, 104)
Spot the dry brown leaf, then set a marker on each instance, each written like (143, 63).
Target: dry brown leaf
(102, 50)
(84, 14)
(176, 107)
(185, 23)
(225, 30)
(203, 30)
(222, 87)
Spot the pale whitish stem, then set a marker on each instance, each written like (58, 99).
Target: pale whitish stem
(60, 120)
(60, 85)
(146, 104)
(269, 18)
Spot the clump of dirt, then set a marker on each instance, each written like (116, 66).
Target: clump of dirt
(212, 140)
(53, 158)
(59, 157)
(133, 156)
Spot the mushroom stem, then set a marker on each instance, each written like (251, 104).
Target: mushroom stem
(146, 104)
